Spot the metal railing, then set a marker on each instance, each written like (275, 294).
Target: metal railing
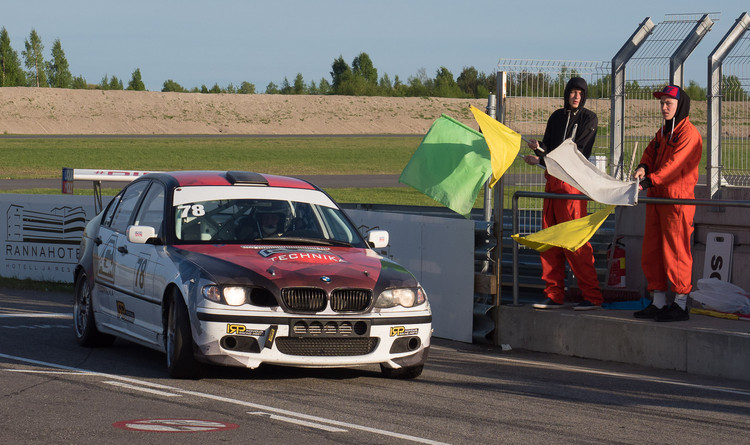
(641, 200)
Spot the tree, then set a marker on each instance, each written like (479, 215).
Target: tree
(340, 73)
(312, 89)
(731, 88)
(216, 89)
(385, 85)
(468, 81)
(115, 84)
(324, 87)
(58, 70)
(362, 66)
(246, 88)
(299, 85)
(286, 87)
(170, 86)
(419, 85)
(695, 91)
(445, 86)
(34, 60)
(272, 88)
(11, 73)
(79, 83)
(136, 84)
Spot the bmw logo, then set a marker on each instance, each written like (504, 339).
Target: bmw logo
(325, 279)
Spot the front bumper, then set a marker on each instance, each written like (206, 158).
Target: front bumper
(245, 340)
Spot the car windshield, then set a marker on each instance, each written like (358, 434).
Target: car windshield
(246, 215)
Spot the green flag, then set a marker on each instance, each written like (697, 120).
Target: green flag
(450, 165)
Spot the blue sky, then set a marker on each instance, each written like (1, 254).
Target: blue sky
(200, 42)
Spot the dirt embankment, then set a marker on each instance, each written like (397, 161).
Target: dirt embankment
(52, 111)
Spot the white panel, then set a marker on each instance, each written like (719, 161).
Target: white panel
(440, 253)
(40, 235)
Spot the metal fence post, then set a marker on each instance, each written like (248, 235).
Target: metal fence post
(618, 93)
(715, 95)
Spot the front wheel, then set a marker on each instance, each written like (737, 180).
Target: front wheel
(84, 325)
(181, 362)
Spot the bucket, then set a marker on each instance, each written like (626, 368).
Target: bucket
(600, 162)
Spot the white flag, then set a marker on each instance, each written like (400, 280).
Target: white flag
(568, 164)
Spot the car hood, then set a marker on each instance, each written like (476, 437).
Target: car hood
(278, 266)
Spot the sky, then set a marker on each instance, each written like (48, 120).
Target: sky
(199, 43)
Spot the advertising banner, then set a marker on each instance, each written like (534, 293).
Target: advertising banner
(41, 235)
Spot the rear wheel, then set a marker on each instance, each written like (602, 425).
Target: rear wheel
(181, 362)
(409, 372)
(83, 316)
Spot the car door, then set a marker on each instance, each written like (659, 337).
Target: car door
(112, 254)
(137, 269)
(103, 292)
(138, 311)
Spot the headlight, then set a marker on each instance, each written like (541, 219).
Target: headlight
(406, 297)
(212, 293)
(233, 295)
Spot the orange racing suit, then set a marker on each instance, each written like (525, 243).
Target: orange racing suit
(671, 162)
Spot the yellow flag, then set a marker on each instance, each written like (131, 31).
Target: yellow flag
(503, 142)
(569, 235)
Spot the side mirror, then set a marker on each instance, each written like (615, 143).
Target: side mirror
(378, 239)
(142, 235)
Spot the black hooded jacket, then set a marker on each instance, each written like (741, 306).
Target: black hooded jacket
(564, 121)
(683, 111)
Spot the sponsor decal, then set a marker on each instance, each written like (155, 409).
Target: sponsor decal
(301, 255)
(271, 336)
(400, 331)
(123, 313)
(105, 269)
(241, 329)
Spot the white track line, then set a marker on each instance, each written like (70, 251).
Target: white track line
(319, 426)
(228, 400)
(581, 369)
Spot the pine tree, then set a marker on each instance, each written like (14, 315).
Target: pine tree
(58, 70)
(136, 84)
(11, 73)
(34, 60)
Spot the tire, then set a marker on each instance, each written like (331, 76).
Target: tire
(84, 325)
(410, 372)
(178, 341)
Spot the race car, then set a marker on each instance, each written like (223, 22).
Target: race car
(241, 268)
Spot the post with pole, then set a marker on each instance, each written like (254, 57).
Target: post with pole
(497, 253)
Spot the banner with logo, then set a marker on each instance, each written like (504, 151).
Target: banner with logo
(41, 235)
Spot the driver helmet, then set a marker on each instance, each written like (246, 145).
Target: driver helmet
(271, 218)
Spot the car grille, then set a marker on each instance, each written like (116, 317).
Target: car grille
(326, 347)
(304, 299)
(350, 300)
(313, 299)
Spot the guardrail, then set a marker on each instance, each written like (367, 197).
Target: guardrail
(641, 200)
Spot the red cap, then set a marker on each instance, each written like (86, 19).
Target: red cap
(669, 91)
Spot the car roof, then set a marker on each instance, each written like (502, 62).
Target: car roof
(218, 178)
